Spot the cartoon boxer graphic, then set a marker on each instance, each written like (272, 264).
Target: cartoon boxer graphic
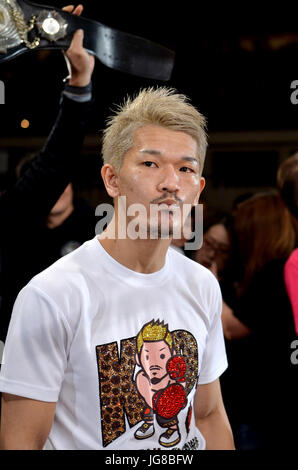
(161, 382)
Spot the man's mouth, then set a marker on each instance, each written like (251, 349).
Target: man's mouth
(169, 202)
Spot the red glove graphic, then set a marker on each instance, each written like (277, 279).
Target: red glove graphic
(168, 402)
(176, 367)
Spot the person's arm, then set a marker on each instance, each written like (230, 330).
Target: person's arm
(210, 414)
(211, 417)
(25, 423)
(249, 315)
(35, 193)
(232, 327)
(33, 369)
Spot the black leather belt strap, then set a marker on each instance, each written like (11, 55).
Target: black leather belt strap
(115, 49)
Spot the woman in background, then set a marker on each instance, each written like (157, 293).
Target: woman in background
(260, 328)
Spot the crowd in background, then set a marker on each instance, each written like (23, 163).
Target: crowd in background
(253, 253)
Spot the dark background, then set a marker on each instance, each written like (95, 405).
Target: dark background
(235, 62)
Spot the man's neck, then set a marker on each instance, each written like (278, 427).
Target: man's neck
(143, 256)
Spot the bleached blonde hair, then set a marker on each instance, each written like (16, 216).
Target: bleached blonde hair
(152, 106)
(154, 331)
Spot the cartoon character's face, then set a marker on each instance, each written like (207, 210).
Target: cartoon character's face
(154, 357)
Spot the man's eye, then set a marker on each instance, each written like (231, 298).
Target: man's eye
(186, 169)
(149, 164)
(162, 356)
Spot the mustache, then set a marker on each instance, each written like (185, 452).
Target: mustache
(166, 196)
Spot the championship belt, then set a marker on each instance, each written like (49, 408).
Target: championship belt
(25, 26)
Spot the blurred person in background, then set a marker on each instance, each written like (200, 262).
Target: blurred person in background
(25, 207)
(215, 251)
(287, 183)
(70, 222)
(260, 328)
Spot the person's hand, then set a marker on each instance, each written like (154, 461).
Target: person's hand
(82, 63)
(232, 327)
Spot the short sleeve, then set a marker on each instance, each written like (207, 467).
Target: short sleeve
(214, 360)
(35, 352)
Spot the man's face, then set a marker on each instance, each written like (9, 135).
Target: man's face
(162, 167)
(154, 357)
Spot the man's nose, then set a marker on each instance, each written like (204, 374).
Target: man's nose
(169, 180)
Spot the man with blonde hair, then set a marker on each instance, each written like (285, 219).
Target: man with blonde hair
(85, 377)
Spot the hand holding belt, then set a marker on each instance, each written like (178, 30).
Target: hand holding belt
(25, 25)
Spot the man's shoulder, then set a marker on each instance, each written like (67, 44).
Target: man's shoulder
(68, 272)
(188, 266)
(198, 283)
(63, 289)
(196, 276)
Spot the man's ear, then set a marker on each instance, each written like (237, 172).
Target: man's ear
(109, 175)
(137, 359)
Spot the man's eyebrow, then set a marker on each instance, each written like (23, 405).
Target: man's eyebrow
(190, 159)
(162, 349)
(151, 151)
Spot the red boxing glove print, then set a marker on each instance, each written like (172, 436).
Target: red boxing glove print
(176, 368)
(169, 402)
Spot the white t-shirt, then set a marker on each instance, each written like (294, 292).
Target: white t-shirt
(77, 338)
